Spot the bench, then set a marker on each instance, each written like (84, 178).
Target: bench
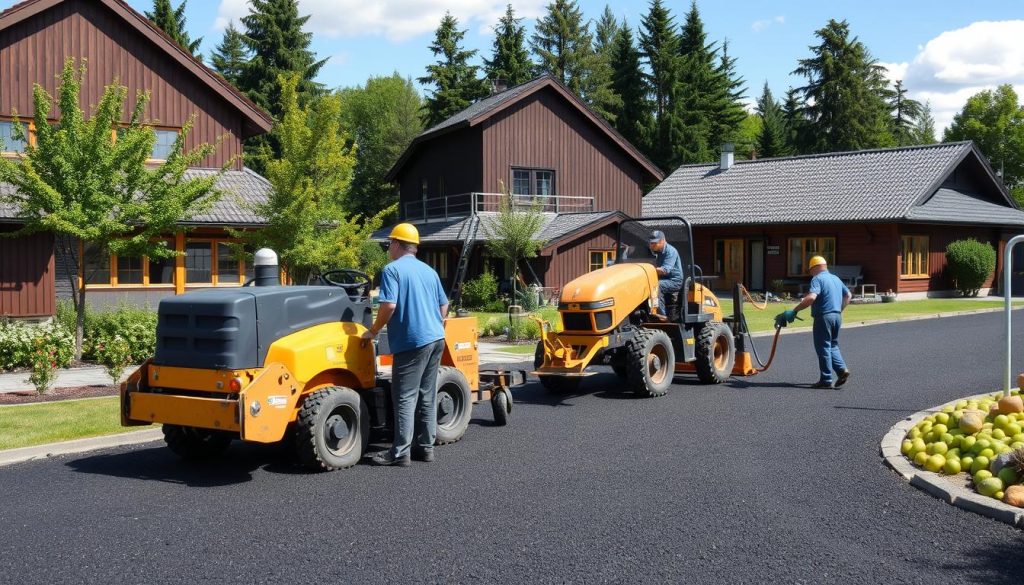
(850, 275)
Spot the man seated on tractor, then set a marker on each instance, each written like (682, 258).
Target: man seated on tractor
(670, 274)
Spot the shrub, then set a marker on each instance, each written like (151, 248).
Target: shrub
(495, 306)
(135, 325)
(44, 364)
(115, 354)
(970, 263)
(17, 343)
(481, 292)
(522, 329)
(528, 299)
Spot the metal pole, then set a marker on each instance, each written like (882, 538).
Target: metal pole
(1007, 272)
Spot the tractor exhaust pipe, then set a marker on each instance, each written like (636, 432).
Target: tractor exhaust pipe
(267, 272)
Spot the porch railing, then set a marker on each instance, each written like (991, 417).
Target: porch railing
(466, 204)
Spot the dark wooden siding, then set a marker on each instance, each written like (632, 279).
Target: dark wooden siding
(938, 238)
(572, 259)
(453, 158)
(34, 51)
(543, 131)
(26, 275)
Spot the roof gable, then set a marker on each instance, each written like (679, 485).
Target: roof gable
(256, 121)
(857, 186)
(484, 109)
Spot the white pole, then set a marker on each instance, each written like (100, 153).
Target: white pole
(1007, 272)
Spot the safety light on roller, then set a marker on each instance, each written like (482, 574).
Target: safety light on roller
(235, 385)
(604, 303)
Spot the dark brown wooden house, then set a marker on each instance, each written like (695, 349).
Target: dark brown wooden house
(118, 43)
(546, 147)
(886, 215)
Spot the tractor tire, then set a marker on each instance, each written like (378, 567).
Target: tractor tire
(650, 363)
(194, 443)
(333, 429)
(454, 405)
(618, 365)
(554, 384)
(715, 352)
(501, 406)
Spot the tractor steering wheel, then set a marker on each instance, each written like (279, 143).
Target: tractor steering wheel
(354, 282)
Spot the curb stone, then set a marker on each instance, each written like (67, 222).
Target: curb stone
(22, 454)
(940, 486)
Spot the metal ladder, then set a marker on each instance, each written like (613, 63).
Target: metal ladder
(455, 295)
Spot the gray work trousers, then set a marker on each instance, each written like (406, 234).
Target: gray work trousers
(414, 397)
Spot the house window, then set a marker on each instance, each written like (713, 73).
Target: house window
(8, 143)
(164, 145)
(208, 261)
(96, 264)
(198, 262)
(914, 257)
(601, 258)
(228, 266)
(129, 269)
(802, 249)
(533, 182)
(438, 260)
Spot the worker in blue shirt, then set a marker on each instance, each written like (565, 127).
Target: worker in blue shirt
(670, 270)
(827, 297)
(412, 305)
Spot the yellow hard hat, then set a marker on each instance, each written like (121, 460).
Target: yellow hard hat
(815, 260)
(405, 232)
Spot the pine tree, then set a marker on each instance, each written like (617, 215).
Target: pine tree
(633, 116)
(563, 45)
(605, 30)
(771, 140)
(924, 129)
(701, 93)
(659, 45)
(729, 111)
(230, 56)
(794, 123)
(598, 90)
(846, 93)
(905, 113)
(455, 81)
(172, 21)
(510, 61)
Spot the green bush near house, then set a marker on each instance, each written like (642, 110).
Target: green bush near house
(17, 343)
(481, 292)
(135, 325)
(970, 263)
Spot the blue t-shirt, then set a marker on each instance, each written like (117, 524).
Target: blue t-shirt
(416, 291)
(668, 259)
(830, 291)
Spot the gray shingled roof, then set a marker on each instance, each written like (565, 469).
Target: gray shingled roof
(241, 190)
(553, 227)
(484, 105)
(871, 185)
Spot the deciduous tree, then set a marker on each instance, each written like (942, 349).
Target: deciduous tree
(512, 233)
(994, 120)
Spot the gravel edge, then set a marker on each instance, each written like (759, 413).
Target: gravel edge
(938, 485)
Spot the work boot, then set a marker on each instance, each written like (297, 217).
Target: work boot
(386, 458)
(821, 385)
(424, 455)
(843, 377)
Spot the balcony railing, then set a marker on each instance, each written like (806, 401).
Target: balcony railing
(466, 204)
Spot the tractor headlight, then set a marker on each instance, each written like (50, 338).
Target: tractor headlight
(603, 304)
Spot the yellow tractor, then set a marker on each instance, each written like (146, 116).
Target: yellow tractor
(611, 317)
(271, 363)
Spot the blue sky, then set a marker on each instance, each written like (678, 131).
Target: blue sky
(945, 50)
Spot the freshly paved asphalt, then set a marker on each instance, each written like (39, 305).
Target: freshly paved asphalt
(758, 480)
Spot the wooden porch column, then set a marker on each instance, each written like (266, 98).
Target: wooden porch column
(179, 263)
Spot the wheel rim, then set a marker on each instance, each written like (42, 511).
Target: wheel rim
(341, 430)
(450, 406)
(657, 362)
(721, 352)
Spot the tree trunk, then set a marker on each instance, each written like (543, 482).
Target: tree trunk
(79, 322)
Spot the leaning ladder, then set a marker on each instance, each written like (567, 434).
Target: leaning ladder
(455, 296)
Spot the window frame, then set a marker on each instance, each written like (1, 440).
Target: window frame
(533, 180)
(113, 278)
(607, 254)
(30, 140)
(921, 256)
(805, 256)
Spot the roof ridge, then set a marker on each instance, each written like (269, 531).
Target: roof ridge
(838, 153)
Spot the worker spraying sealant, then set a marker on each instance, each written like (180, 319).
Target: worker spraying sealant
(827, 297)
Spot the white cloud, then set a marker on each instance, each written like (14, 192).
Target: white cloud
(396, 20)
(960, 63)
(760, 25)
(895, 71)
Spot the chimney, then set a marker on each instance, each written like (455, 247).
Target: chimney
(727, 156)
(498, 85)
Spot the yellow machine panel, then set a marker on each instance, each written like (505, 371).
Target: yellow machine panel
(330, 346)
(207, 413)
(460, 348)
(619, 289)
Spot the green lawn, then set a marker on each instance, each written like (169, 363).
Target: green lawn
(549, 313)
(63, 420)
(765, 320)
(527, 349)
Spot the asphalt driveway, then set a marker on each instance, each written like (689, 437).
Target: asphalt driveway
(758, 480)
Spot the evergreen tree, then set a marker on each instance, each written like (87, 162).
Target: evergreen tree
(605, 30)
(599, 90)
(564, 46)
(230, 56)
(455, 81)
(633, 114)
(729, 112)
(846, 93)
(924, 129)
(659, 45)
(510, 60)
(794, 123)
(771, 140)
(905, 113)
(172, 21)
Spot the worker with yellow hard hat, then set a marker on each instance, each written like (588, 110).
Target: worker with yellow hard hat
(827, 297)
(412, 305)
